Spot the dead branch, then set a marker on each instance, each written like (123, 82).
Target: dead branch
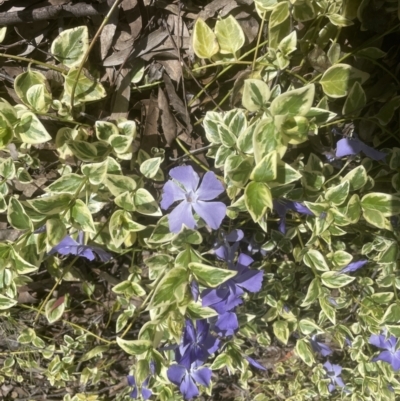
(53, 12)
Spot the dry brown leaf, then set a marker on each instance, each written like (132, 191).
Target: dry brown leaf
(167, 119)
(143, 46)
(150, 132)
(177, 103)
(107, 35)
(122, 95)
(133, 16)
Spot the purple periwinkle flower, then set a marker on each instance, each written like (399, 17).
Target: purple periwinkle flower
(229, 246)
(227, 296)
(353, 146)
(281, 206)
(68, 246)
(354, 266)
(185, 188)
(194, 289)
(197, 343)
(333, 371)
(225, 324)
(390, 354)
(254, 363)
(319, 347)
(146, 393)
(186, 379)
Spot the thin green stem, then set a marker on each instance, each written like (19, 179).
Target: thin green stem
(203, 67)
(85, 57)
(258, 40)
(76, 326)
(139, 310)
(195, 159)
(32, 61)
(147, 86)
(224, 71)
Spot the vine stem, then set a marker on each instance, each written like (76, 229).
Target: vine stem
(258, 41)
(32, 61)
(195, 159)
(142, 306)
(86, 55)
(76, 326)
(224, 71)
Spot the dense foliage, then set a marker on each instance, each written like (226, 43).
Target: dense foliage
(284, 239)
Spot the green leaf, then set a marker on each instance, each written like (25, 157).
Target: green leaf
(6, 131)
(258, 199)
(338, 194)
(285, 174)
(303, 350)
(55, 230)
(267, 169)
(83, 150)
(315, 259)
(313, 292)
(87, 89)
(68, 183)
(128, 128)
(6, 303)
(334, 53)
(210, 276)
(353, 211)
(375, 218)
(70, 46)
(54, 313)
(187, 236)
(392, 314)
(121, 225)
(96, 172)
(339, 20)
(238, 169)
(288, 44)
(161, 233)
(118, 184)
(386, 113)
(31, 130)
(134, 347)
(295, 129)
(27, 80)
(296, 102)
(7, 168)
(149, 167)
(230, 35)
(266, 139)
(205, 43)
(279, 14)
(328, 309)
(105, 130)
(357, 178)
(371, 52)
(21, 265)
(39, 98)
(17, 216)
(383, 298)
(256, 94)
(227, 137)
(335, 279)
(81, 214)
(355, 101)
(281, 330)
(211, 122)
(170, 287)
(341, 258)
(386, 204)
(120, 143)
(339, 79)
(145, 203)
(197, 311)
(308, 326)
(50, 205)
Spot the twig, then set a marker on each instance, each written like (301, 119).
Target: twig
(53, 12)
